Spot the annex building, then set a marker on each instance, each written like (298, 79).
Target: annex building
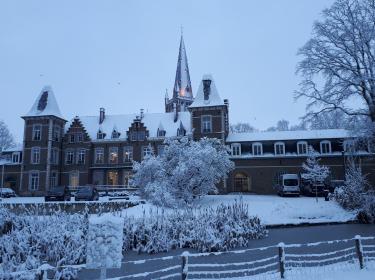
(100, 149)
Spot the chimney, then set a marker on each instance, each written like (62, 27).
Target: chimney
(142, 114)
(226, 103)
(101, 115)
(206, 88)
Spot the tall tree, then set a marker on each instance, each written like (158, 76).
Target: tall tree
(6, 138)
(338, 62)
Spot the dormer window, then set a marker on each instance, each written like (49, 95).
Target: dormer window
(279, 148)
(302, 147)
(236, 149)
(161, 132)
(181, 131)
(100, 135)
(325, 147)
(16, 157)
(115, 134)
(257, 149)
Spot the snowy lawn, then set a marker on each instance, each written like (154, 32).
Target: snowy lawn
(271, 209)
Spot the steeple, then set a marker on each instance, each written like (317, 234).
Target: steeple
(182, 85)
(182, 91)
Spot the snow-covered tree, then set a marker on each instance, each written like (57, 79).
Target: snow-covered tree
(312, 169)
(338, 62)
(185, 170)
(242, 128)
(6, 138)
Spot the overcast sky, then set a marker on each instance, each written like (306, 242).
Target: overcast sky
(122, 55)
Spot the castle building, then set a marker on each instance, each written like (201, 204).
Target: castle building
(99, 150)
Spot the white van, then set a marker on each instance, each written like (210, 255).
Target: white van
(288, 184)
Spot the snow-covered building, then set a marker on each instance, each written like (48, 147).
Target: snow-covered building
(100, 149)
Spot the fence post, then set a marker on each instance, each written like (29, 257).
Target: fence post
(184, 271)
(359, 250)
(281, 259)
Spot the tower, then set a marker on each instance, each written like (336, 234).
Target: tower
(43, 131)
(182, 96)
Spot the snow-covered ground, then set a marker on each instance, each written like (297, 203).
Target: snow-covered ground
(272, 210)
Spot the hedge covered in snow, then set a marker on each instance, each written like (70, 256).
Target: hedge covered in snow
(207, 230)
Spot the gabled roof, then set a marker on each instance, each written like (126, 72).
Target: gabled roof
(45, 105)
(213, 97)
(288, 135)
(152, 122)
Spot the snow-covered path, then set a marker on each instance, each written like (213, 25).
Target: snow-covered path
(272, 210)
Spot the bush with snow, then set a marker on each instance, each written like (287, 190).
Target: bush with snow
(312, 169)
(209, 229)
(185, 170)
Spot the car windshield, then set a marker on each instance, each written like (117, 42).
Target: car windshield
(84, 190)
(290, 182)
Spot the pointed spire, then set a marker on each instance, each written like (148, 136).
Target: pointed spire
(182, 85)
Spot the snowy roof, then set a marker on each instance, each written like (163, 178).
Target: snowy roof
(288, 135)
(45, 105)
(213, 97)
(152, 122)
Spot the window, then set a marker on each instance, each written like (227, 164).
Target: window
(35, 155)
(349, 146)
(56, 133)
(279, 148)
(181, 131)
(16, 157)
(53, 179)
(137, 135)
(113, 155)
(128, 153)
(257, 149)
(236, 149)
(325, 147)
(100, 135)
(141, 135)
(161, 132)
(34, 180)
(81, 156)
(37, 132)
(74, 178)
(115, 134)
(98, 177)
(69, 157)
(302, 148)
(99, 155)
(72, 138)
(55, 156)
(147, 151)
(206, 124)
(112, 178)
(127, 178)
(160, 149)
(79, 137)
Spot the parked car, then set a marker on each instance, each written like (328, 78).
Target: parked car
(288, 184)
(87, 193)
(309, 188)
(7, 192)
(59, 193)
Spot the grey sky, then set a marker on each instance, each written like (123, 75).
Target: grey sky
(122, 55)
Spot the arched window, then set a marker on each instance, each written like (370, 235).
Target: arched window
(279, 148)
(325, 147)
(257, 149)
(302, 147)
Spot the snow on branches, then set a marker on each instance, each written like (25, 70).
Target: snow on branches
(313, 171)
(185, 170)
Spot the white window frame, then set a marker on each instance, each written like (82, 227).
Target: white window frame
(35, 132)
(113, 150)
(306, 147)
(279, 144)
(81, 156)
(236, 149)
(128, 154)
(67, 153)
(96, 155)
(324, 142)
(206, 125)
(146, 150)
(34, 185)
(55, 156)
(257, 144)
(16, 157)
(35, 160)
(55, 180)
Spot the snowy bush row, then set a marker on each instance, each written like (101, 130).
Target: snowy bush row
(207, 230)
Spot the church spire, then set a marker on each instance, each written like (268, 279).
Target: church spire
(182, 85)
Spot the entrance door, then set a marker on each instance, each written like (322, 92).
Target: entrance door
(241, 183)
(112, 178)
